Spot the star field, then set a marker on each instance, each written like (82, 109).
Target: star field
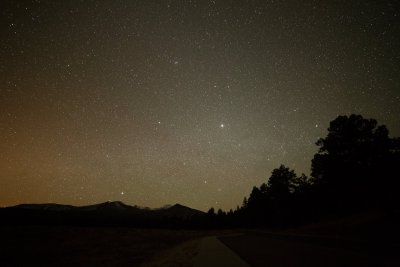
(191, 102)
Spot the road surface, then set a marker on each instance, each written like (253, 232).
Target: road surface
(262, 249)
(213, 253)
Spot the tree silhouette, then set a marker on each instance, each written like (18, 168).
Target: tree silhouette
(300, 185)
(280, 182)
(211, 212)
(353, 166)
(273, 201)
(244, 203)
(355, 169)
(255, 198)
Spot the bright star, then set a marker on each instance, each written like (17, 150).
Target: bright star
(222, 125)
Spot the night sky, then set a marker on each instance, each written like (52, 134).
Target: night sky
(191, 102)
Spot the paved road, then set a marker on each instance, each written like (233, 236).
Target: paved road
(261, 250)
(213, 253)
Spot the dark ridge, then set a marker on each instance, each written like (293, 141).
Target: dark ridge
(116, 205)
(44, 206)
(112, 213)
(180, 210)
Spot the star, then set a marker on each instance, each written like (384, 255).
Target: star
(177, 107)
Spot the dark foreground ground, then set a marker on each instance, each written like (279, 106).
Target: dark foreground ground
(84, 246)
(261, 249)
(365, 239)
(360, 240)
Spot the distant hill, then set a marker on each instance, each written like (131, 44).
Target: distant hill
(107, 213)
(179, 210)
(47, 206)
(109, 205)
(176, 210)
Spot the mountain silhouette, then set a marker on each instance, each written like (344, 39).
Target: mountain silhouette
(179, 210)
(106, 213)
(109, 205)
(47, 206)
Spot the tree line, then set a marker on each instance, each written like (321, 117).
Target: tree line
(354, 170)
